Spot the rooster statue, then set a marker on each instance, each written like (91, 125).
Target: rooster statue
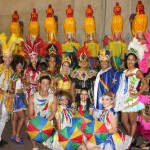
(71, 45)
(117, 45)
(34, 27)
(90, 36)
(50, 26)
(140, 21)
(14, 25)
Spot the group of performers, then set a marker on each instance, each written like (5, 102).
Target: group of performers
(55, 81)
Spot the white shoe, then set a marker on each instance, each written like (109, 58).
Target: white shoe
(36, 148)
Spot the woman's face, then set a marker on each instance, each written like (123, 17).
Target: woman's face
(106, 101)
(65, 66)
(34, 60)
(84, 95)
(104, 64)
(52, 63)
(19, 68)
(131, 61)
(83, 64)
(63, 101)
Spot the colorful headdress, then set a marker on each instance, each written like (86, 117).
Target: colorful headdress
(83, 53)
(32, 47)
(66, 59)
(11, 46)
(52, 51)
(137, 48)
(104, 54)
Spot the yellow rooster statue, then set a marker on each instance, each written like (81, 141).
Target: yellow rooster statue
(117, 44)
(34, 27)
(140, 21)
(14, 25)
(90, 36)
(70, 45)
(50, 25)
(70, 26)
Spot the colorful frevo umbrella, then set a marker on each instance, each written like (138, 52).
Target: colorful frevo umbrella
(39, 129)
(70, 138)
(96, 132)
(81, 119)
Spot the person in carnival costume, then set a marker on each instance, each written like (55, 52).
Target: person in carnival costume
(62, 80)
(52, 60)
(83, 77)
(18, 114)
(128, 101)
(115, 140)
(5, 77)
(42, 103)
(33, 71)
(108, 79)
(84, 103)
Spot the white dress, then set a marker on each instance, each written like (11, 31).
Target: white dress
(124, 102)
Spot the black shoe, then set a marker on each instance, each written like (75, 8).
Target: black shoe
(1, 144)
(133, 144)
(4, 142)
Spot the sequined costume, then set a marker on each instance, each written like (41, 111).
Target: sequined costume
(83, 79)
(5, 77)
(64, 82)
(34, 77)
(123, 100)
(19, 99)
(117, 141)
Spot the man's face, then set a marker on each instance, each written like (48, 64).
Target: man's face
(104, 64)
(7, 59)
(44, 85)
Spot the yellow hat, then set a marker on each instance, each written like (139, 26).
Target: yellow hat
(104, 54)
(10, 47)
(66, 59)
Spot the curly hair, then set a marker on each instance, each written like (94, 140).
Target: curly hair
(63, 93)
(16, 60)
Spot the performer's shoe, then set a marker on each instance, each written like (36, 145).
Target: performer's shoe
(13, 138)
(1, 144)
(36, 148)
(4, 142)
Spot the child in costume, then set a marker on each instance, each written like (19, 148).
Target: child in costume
(18, 116)
(115, 140)
(84, 103)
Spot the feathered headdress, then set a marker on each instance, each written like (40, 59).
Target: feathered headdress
(104, 54)
(12, 45)
(83, 53)
(137, 48)
(33, 47)
(142, 52)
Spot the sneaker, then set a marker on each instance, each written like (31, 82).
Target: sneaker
(36, 148)
(1, 144)
(4, 142)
